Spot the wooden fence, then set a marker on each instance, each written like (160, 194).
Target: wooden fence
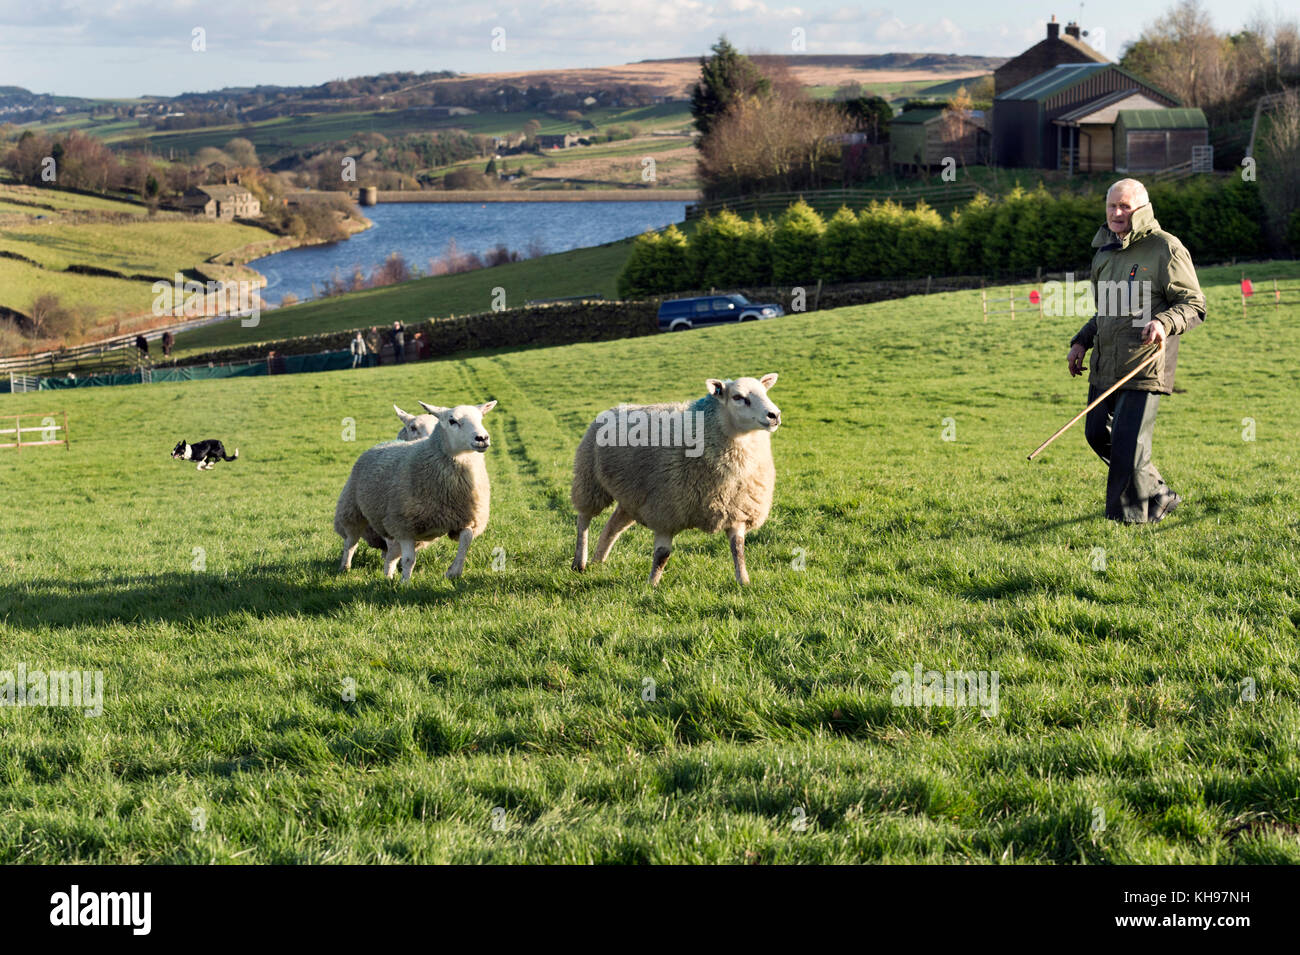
(48, 425)
(105, 355)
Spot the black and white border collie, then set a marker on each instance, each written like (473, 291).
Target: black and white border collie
(207, 453)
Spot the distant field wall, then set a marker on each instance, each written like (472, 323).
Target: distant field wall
(544, 195)
(564, 323)
(559, 324)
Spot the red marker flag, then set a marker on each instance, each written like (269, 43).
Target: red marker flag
(1033, 296)
(1246, 288)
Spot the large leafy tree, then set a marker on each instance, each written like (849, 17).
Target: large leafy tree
(725, 77)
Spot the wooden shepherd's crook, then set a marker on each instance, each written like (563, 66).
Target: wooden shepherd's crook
(1100, 398)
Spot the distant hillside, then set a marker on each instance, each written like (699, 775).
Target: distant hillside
(19, 105)
(877, 61)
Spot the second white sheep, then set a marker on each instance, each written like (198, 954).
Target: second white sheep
(412, 491)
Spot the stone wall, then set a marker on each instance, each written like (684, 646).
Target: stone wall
(536, 325)
(564, 323)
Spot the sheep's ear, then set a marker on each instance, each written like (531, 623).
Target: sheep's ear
(433, 409)
(403, 416)
(717, 387)
(484, 409)
(767, 381)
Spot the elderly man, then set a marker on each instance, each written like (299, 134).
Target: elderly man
(1146, 293)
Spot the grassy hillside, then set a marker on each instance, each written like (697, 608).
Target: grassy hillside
(226, 638)
(157, 246)
(28, 200)
(590, 271)
(276, 137)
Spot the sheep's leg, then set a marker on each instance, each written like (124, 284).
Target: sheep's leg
(391, 554)
(349, 548)
(737, 535)
(458, 565)
(408, 560)
(618, 522)
(663, 547)
(580, 549)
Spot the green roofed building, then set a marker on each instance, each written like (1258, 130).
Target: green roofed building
(1060, 118)
(1150, 139)
(919, 138)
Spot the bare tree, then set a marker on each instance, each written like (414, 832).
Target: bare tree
(772, 143)
(1279, 158)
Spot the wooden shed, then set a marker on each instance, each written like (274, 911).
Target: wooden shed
(1151, 139)
(1089, 131)
(919, 137)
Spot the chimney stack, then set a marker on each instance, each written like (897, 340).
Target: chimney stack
(1072, 29)
(1053, 28)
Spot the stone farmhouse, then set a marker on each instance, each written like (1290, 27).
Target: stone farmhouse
(221, 202)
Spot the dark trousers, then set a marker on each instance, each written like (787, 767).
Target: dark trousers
(1120, 430)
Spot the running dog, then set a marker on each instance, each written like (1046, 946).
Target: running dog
(207, 453)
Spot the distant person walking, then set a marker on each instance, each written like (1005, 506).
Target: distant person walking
(358, 349)
(167, 341)
(1146, 294)
(399, 341)
(422, 347)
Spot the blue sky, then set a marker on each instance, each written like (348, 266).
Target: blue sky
(122, 48)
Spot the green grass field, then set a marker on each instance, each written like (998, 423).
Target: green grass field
(157, 247)
(29, 200)
(21, 284)
(277, 137)
(506, 717)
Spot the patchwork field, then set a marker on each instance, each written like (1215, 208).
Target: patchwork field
(54, 230)
(1148, 677)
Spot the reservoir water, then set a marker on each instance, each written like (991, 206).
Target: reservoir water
(420, 231)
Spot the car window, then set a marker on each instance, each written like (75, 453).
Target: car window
(702, 306)
(723, 305)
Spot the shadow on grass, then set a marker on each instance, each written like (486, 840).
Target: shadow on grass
(270, 590)
(1044, 528)
(284, 590)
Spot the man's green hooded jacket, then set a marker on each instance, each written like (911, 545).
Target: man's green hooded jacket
(1148, 270)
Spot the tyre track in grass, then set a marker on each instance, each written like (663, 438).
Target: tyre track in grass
(493, 375)
(475, 391)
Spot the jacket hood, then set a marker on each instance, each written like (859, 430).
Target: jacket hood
(1142, 224)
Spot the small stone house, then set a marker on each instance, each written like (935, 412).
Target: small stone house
(558, 140)
(1051, 51)
(221, 202)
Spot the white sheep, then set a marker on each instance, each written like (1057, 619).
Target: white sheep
(414, 427)
(722, 479)
(412, 491)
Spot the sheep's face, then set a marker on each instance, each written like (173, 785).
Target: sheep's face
(462, 426)
(745, 405)
(415, 426)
